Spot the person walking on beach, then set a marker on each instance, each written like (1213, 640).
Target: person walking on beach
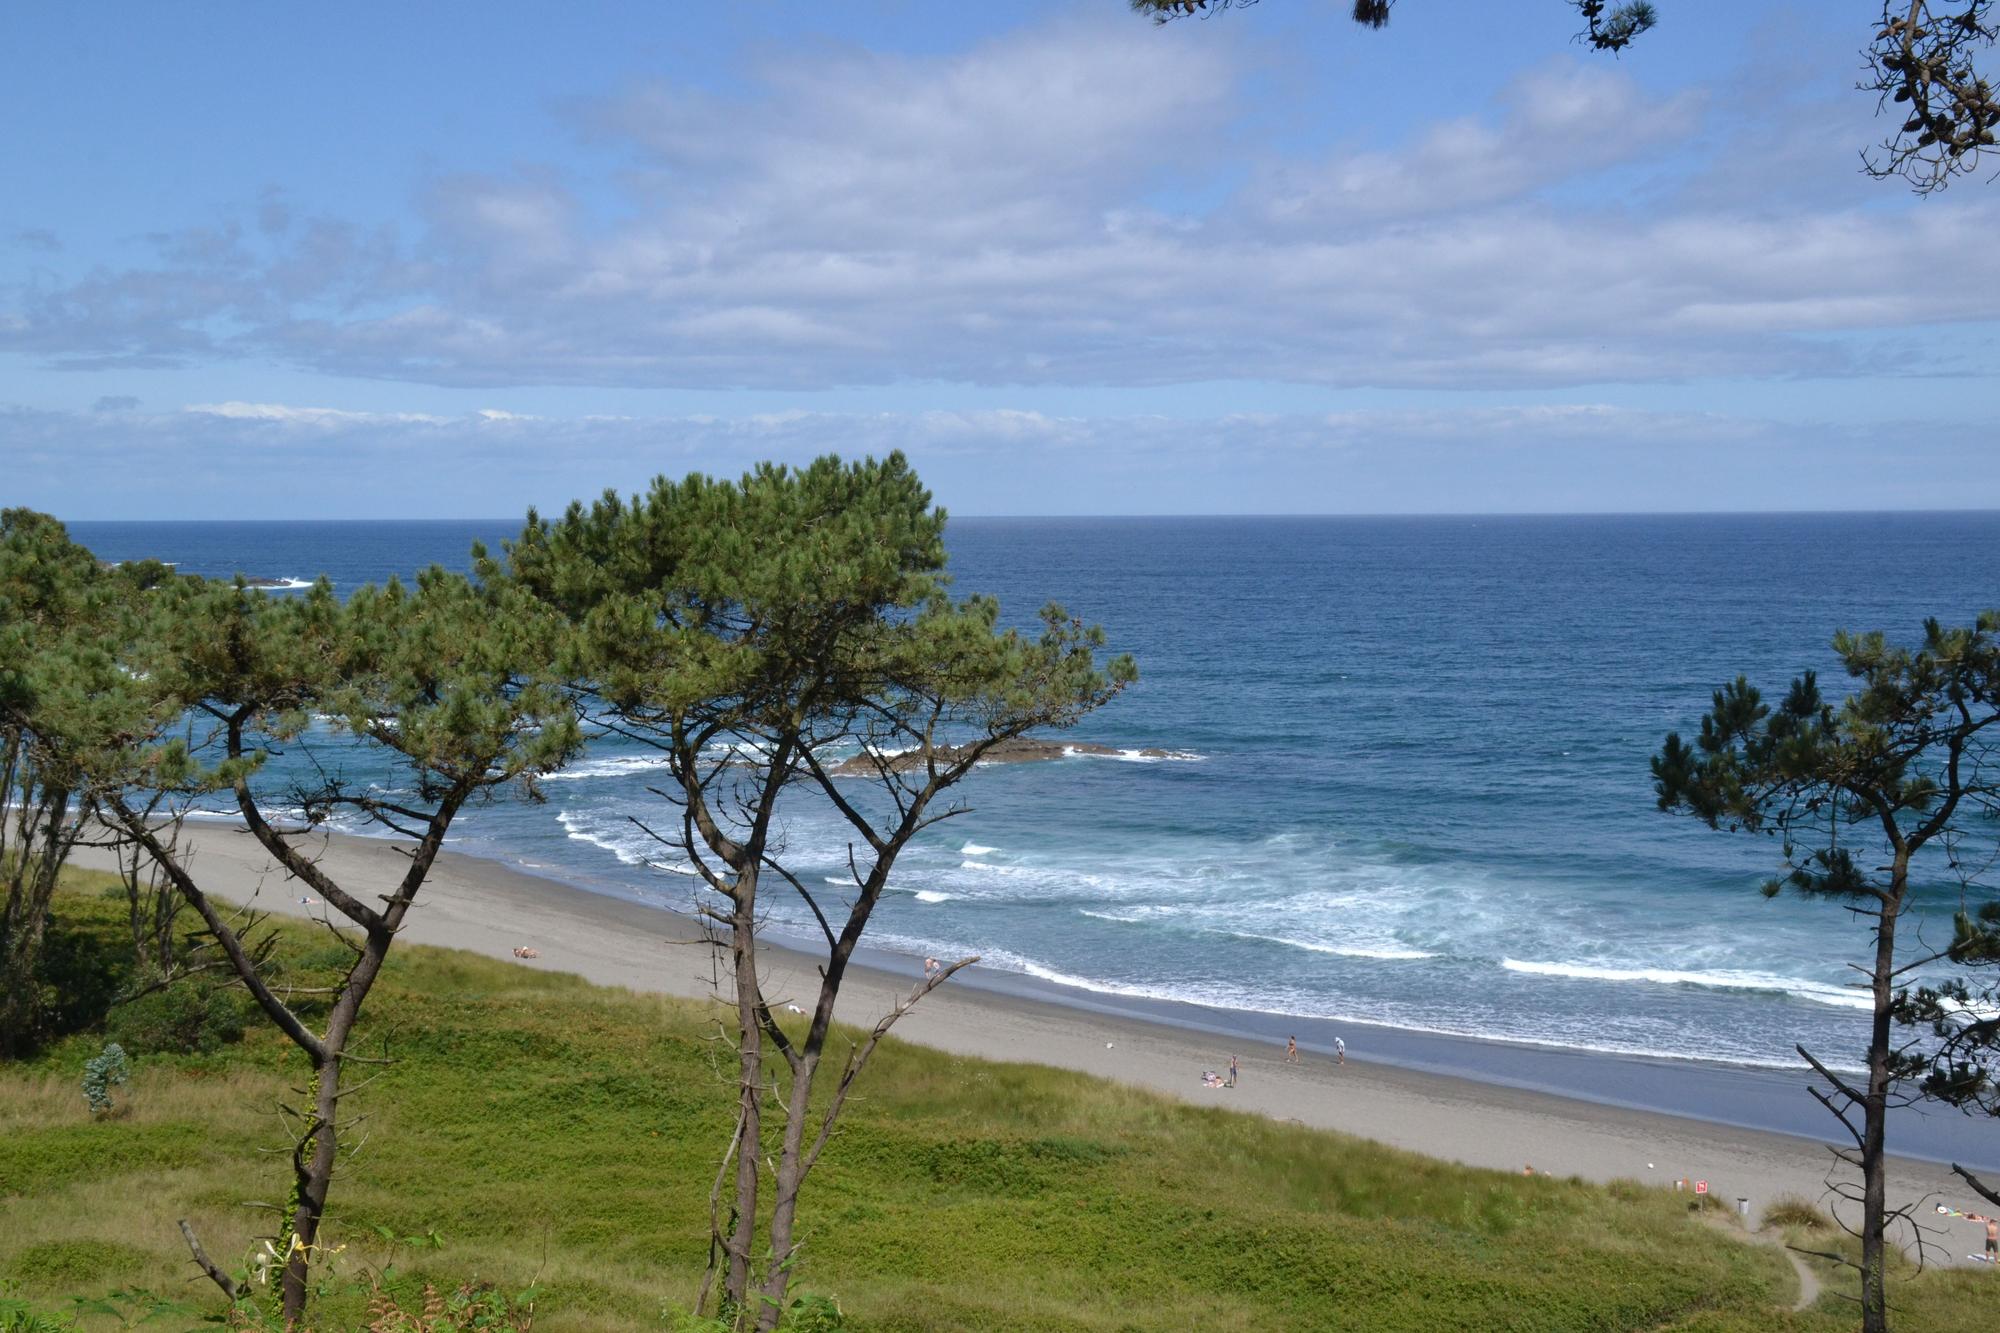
(931, 968)
(1339, 1051)
(1232, 1072)
(1291, 1050)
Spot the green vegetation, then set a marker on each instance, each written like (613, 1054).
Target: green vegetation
(1791, 1211)
(528, 1150)
(563, 1135)
(1893, 789)
(446, 679)
(65, 719)
(102, 1073)
(745, 630)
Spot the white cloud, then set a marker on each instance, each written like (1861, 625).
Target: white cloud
(1495, 458)
(1563, 120)
(1068, 206)
(323, 417)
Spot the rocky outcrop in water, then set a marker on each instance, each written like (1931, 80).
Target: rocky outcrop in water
(1022, 750)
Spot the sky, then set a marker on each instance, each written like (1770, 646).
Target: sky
(456, 259)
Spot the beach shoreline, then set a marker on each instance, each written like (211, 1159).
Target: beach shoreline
(491, 908)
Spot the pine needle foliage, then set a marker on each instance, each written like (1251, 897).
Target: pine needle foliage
(1893, 790)
(791, 636)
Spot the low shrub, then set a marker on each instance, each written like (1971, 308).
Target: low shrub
(19, 1317)
(193, 1015)
(102, 1073)
(81, 969)
(814, 1314)
(679, 1321)
(479, 1305)
(70, 1263)
(1790, 1210)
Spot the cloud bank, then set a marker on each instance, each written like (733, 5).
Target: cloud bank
(274, 460)
(1074, 205)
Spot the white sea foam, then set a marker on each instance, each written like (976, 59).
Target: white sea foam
(974, 849)
(1818, 992)
(1138, 913)
(723, 752)
(934, 896)
(616, 766)
(1136, 756)
(1968, 1012)
(621, 848)
(288, 818)
(1225, 996)
(630, 845)
(1030, 882)
(1218, 999)
(1013, 962)
(1386, 952)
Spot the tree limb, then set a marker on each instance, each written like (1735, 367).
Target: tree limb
(230, 1288)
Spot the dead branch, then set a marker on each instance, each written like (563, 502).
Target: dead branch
(867, 1048)
(230, 1289)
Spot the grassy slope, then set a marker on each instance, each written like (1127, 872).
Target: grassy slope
(545, 1125)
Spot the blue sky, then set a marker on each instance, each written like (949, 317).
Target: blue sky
(455, 259)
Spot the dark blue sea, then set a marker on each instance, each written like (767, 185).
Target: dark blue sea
(1410, 783)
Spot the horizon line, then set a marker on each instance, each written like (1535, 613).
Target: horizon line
(1262, 514)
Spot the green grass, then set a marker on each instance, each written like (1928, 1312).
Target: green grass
(553, 1130)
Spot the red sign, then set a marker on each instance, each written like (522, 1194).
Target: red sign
(1701, 1187)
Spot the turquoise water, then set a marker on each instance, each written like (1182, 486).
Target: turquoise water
(1411, 786)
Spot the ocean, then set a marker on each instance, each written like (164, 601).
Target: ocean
(1410, 781)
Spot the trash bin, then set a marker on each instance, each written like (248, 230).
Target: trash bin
(1743, 1209)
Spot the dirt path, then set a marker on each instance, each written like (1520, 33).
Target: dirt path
(1809, 1283)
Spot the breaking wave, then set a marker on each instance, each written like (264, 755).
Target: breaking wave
(1817, 992)
(617, 766)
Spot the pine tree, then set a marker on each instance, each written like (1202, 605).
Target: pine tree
(753, 632)
(1871, 799)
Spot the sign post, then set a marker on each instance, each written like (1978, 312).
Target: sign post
(1701, 1195)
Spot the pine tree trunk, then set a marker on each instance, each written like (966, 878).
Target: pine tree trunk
(785, 1192)
(313, 1170)
(749, 1092)
(1874, 1131)
(314, 1173)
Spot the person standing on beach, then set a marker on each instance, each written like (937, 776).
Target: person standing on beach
(1232, 1071)
(1339, 1051)
(1291, 1050)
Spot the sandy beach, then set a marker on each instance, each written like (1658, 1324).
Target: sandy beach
(490, 908)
